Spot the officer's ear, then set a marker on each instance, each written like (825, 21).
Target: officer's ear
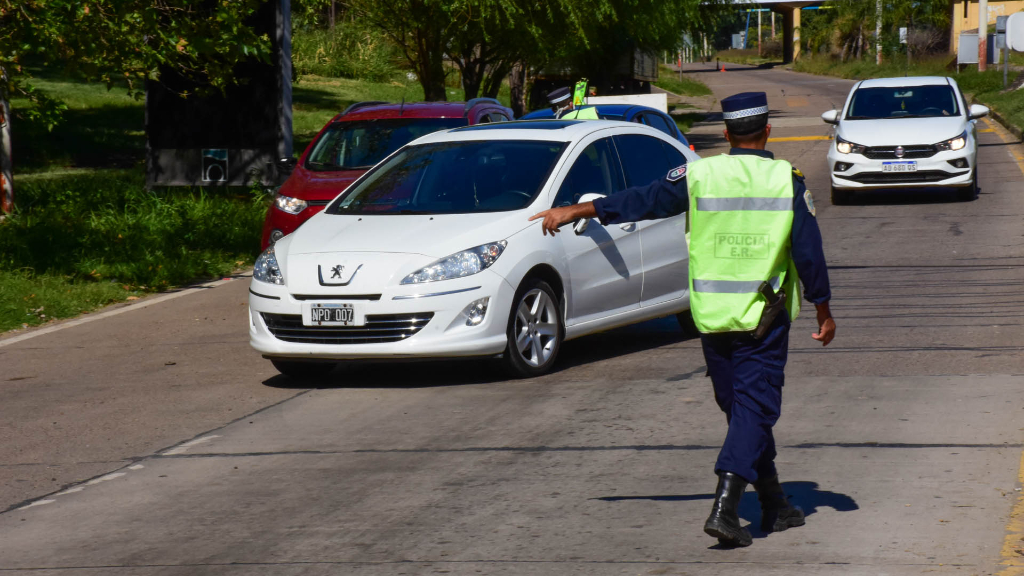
(767, 132)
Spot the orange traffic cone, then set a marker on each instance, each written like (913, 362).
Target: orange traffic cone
(723, 68)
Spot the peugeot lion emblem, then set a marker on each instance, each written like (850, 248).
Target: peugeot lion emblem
(899, 151)
(337, 270)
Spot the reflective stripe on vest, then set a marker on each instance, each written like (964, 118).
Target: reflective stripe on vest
(741, 219)
(731, 286)
(728, 204)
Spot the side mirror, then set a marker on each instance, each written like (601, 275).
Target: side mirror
(978, 111)
(830, 117)
(580, 226)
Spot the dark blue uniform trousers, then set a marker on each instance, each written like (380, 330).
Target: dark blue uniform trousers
(747, 375)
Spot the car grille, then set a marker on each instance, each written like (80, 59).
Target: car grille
(379, 329)
(923, 176)
(909, 152)
(318, 202)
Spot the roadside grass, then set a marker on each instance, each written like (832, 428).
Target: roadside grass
(83, 239)
(668, 79)
(986, 86)
(686, 120)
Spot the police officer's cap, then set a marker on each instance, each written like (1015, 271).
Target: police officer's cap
(558, 96)
(745, 113)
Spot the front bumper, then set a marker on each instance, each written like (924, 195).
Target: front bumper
(936, 170)
(411, 321)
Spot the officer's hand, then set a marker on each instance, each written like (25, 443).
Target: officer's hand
(556, 217)
(826, 325)
(826, 331)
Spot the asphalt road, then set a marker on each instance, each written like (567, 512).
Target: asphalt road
(153, 441)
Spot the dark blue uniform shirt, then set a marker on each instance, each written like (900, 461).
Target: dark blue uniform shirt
(662, 198)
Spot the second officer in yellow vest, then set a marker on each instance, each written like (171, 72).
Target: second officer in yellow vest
(561, 102)
(753, 240)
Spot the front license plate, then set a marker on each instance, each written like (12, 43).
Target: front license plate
(904, 166)
(331, 314)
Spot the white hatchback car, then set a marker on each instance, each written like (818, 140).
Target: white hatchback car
(904, 132)
(431, 253)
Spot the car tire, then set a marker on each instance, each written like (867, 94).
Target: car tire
(686, 322)
(969, 193)
(840, 197)
(303, 370)
(535, 330)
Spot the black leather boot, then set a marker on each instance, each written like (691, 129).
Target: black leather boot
(724, 521)
(777, 513)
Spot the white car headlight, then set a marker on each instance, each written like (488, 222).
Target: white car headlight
(847, 147)
(289, 204)
(465, 263)
(953, 143)
(266, 268)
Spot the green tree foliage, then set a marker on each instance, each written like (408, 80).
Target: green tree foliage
(846, 28)
(488, 38)
(123, 43)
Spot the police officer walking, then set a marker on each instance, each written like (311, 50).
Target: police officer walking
(753, 234)
(562, 104)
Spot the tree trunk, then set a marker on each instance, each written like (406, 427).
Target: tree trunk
(6, 168)
(429, 64)
(492, 85)
(517, 86)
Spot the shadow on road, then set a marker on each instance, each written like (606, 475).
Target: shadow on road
(804, 494)
(904, 196)
(426, 373)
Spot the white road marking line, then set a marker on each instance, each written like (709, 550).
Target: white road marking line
(37, 503)
(101, 315)
(190, 444)
(70, 490)
(110, 476)
(136, 467)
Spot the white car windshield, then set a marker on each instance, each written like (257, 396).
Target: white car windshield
(454, 178)
(933, 101)
(360, 144)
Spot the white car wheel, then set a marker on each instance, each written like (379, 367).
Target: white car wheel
(535, 330)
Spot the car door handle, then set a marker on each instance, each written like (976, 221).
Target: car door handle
(628, 226)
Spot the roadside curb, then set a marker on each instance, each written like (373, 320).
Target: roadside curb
(1011, 128)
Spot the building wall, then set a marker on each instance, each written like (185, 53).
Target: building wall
(961, 22)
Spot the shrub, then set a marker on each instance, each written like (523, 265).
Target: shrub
(96, 226)
(348, 50)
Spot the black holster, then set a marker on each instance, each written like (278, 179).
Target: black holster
(774, 303)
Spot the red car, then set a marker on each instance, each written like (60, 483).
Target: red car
(352, 142)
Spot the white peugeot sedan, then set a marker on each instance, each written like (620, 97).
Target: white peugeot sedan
(431, 253)
(904, 132)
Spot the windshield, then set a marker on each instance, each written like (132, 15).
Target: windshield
(362, 143)
(906, 102)
(454, 178)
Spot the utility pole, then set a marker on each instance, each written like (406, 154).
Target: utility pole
(878, 32)
(982, 35)
(773, 24)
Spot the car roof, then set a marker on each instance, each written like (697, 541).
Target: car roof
(379, 110)
(900, 82)
(547, 130)
(605, 109)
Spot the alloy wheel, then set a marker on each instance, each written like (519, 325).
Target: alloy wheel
(536, 328)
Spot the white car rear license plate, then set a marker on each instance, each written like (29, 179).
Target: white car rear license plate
(904, 166)
(331, 314)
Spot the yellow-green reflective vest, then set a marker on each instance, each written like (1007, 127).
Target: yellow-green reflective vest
(741, 216)
(589, 113)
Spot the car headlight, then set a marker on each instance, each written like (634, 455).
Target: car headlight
(465, 263)
(847, 147)
(266, 268)
(953, 143)
(289, 204)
